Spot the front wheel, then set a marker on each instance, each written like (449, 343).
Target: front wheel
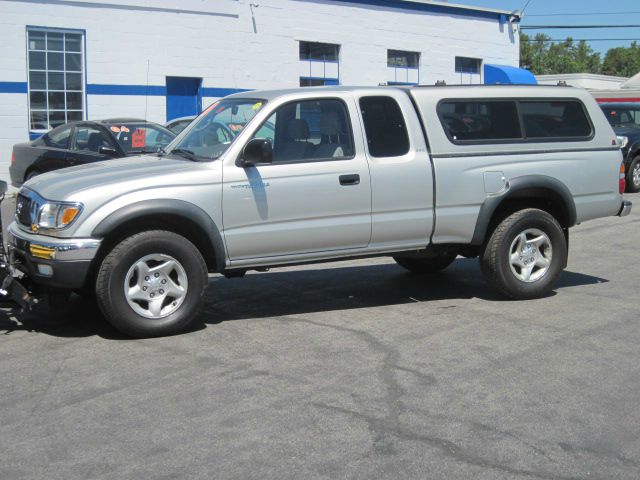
(633, 176)
(525, 254)
(151, 284)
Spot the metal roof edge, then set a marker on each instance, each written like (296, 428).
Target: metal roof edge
(437, 6)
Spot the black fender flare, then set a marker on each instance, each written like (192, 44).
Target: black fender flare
(176, 208)
(515, 186)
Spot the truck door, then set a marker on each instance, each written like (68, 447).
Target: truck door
(314, 197)
(401, 171)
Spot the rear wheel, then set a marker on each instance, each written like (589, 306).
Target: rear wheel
(425, 265)
(525, 254)
(152, 284)
(31, 174)
(633, 176)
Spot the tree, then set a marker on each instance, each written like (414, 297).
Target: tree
(622, 61)
(544, 57)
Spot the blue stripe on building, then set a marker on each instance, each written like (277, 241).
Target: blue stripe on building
(152, 90)
(142, 90)
(13, 87)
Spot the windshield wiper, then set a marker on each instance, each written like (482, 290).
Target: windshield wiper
(142, 151)
(184, 153)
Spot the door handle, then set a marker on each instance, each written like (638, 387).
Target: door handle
(350, 179)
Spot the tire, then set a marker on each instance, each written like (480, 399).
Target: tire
(425, 265)
(166, 279)
(525, 254)
(31, 174)
(633, 176)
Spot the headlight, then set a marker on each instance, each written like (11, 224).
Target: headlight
(57, 215)
(622, 141)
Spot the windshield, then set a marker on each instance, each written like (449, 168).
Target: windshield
(141, 137)
(623, 116)
(211, 134)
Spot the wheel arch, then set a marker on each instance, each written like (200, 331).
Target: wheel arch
(528, 191)
(177, 216)
(634, 152)
(30, 169)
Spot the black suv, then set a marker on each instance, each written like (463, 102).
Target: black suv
(625, 120)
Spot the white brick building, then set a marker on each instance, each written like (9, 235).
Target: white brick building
(73, 59)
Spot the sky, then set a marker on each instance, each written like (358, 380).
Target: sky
(563, 12)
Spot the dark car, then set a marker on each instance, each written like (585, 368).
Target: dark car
(178, 124)
(625, 120)
(81, 142)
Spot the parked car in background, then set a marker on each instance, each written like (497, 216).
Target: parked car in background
(625, 120)
(81, 142)
(178, 124)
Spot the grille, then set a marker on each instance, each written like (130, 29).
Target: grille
(23, 210)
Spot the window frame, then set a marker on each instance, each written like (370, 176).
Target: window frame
(417, 67)
(338, 51)
(47, 137)
(238, 161)
(410, 144)
(479, 60)
(524, 139)
(64, 71)
(105, 131)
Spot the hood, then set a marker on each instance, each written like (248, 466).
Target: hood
(119, 176)
(627, 131)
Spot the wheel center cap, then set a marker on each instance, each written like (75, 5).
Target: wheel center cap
(529, 254)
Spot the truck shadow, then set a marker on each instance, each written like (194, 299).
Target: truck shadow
(293, 292)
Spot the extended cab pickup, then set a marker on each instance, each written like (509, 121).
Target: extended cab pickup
(269, 178)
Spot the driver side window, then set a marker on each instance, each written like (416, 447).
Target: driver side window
(307, 131)
(90, 139)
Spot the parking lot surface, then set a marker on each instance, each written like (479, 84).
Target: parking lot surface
(354, 369)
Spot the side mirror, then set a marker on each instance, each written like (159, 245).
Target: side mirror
(258, 150)
(3, 187)
(108, 151)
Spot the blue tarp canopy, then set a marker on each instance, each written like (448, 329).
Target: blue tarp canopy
(505, 74)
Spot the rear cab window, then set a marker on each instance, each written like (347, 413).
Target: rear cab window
(58, 137)
(465, 120)
(385, 126)
(475, 121)
(622, 115)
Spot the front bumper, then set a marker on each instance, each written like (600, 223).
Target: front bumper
(625, 209)
(68, 262)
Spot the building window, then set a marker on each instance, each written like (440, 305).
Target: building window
(55, 60)
(468, 65)
(324, 52)
(402, 59)
(317, 82)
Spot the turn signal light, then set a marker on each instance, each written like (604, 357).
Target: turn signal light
(623, 181)
(68, 214)
(13, 158)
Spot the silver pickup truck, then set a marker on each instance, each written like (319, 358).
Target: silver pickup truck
(270, 178)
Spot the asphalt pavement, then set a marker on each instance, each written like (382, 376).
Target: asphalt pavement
(354, 370)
